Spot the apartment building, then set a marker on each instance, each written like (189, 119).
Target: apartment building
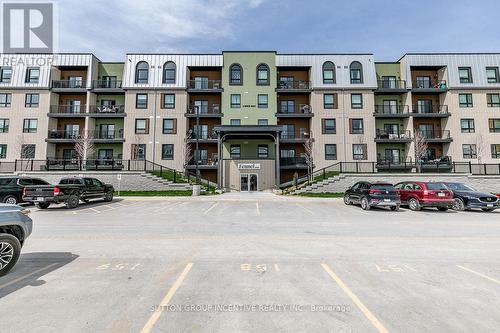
(251, 120)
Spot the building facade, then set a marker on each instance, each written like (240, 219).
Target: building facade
(250, 120)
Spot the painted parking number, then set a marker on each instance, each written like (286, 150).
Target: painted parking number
(259, 268)
(118, 267)
(395, 268)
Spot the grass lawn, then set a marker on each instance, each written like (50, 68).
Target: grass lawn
(322, 195)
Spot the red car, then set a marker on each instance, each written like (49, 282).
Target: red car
(417, 195)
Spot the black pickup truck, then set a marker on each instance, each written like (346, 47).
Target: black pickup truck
(69, 191)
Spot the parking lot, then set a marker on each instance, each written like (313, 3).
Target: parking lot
(254, 263)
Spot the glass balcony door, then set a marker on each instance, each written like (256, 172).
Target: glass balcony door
(201, 82)
(390, 106)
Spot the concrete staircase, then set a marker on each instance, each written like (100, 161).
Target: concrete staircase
(168, 184)
(318, 186)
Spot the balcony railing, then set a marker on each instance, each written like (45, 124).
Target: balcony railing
(392, 135)
(296, 109)
(432, 134)
(204, 161)
(64, 135)
(67, 109)
(204, 84)
(293, 161)
(201, 135)
(69, 84)
(431, 109)
(104, 109)
(294, 85)
(213, 109)
(391, 109)
(107, 135)
(395, 161)
(391, 84)
(301, 134)
(107, 84)
(429, 84)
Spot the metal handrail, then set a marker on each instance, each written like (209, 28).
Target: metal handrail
(391, 84)
(67, 109)
(434, 109)
(297, 109)
(69, 84)
(429, 84)
(204, 85)
(107, 84)
(296, 84)
(391, 109)
(383, 134)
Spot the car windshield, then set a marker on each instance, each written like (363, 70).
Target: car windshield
(459, 187)
(383, 187)
(436, 186)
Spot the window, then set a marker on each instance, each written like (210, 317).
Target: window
(108, 82)
(169, 126)
(5, 74)
(235, 151)
(141, 126)
(330, 152)
(169, 101)
(469, 151)
(467, 125)
(262, 74)
(492, 75)
(359, 152)
(465, 74)
(138, 152)
(493, 100)
(465, 100)
(262, 101)
(328, 73)
(200, 131)
(235, 100)
(141, 101)
(3, 151)
(329, 101)
(495, 151)
(5, 100)
(388, 82)
(329, 126)
(263, 151)
(167, 152)
(28, 151)
(262, 122)
(287, 153)
(32, 74)
(235, 122)
(75, 82)
(30, 125)
(423, 82)
(287, 106)
(424, 106)
(201, 82)
(31, 100)
(288, 131)
(494, 125)
(356, 126)
(235, 74)
(142, 72)
(356, 70)
(4, 125)
(356, 101)
(169, 72)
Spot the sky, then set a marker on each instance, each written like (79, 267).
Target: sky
(388, 29)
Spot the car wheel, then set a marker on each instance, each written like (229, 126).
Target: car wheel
(458, 205)
(395, 208)
(442, 209)
(43, 205)
(72, 201)
(364, 204)
(108, 196)
(10, 248)
(11, 199)
(346, 200)
(414, 204)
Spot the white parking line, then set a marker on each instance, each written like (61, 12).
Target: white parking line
(257, 207)
(27, 275)
(211, 207)
(479, 274)
(306, 209)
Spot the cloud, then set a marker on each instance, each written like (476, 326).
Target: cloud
(255, 3)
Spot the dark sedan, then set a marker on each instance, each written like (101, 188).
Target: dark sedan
(370, 195)
(467, 198)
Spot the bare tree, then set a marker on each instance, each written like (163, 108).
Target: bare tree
(480, 147)
(308, 155)
(84, 147)
(26, 150)
(421, 146)
(188, 151)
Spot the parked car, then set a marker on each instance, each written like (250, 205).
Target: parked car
(372, 195)
(69, 191)
(417, 195)
(15, 227)
(466, 198)
(11, 188)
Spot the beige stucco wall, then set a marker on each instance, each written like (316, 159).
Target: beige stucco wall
(265, 175)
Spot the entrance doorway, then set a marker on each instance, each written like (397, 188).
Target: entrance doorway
(248, 182)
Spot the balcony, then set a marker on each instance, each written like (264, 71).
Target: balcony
(298, 86)
(432, 136)
(107, 86)
(391, 111)
(104, 111)
(439, 164)
(391, 86)
(383, 136)
(204, 163)
(212, 111)
(67, 111)
(62, 136)
(395, 164)
(298, 111)
(69, 85)
(425, 86)
(204, 86)
(300, 136)
(109, 136)
(293, 162)
(430, 111)
(204, 137)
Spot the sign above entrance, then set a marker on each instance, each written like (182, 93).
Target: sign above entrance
(248, 166)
